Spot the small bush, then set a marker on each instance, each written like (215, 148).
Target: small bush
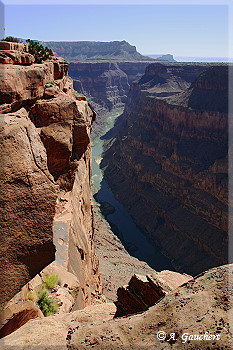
(32, 296)
(11, 39)
(46, 302)
(40, 52)
(50, 280)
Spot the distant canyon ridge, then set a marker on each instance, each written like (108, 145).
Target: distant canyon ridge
(103, 71)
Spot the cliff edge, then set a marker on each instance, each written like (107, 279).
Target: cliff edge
(47, 209)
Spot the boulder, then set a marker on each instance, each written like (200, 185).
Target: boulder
(17, 315)
(144, 291)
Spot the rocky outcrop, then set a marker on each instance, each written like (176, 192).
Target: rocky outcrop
(172, 159)
(45, 177)
(96, 50)
(200, 307)
(28, 196)
(56, 331)
(16, 315)
(143, 292)
(168, 57)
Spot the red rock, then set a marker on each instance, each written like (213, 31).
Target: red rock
(16, 57)
(144, 291)
(81, 98)
(29, 193)
(60, 67)
(16, 315)
(28, 198)
(6, 45)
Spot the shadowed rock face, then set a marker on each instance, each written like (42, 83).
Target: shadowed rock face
(172, 159)
(46, 156)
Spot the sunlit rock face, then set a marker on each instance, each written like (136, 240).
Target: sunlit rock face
(171, 157)
(45, 174)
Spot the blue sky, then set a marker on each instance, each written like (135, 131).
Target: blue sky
(182, 30)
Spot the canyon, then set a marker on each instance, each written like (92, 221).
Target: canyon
(155, 166)
(103, 72)
(170, 152)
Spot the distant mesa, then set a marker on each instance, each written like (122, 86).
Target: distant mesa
(168, 57)
(76, 51)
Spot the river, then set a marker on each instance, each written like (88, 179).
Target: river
(135, 242)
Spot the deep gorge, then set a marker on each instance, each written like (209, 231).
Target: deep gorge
(168, 163)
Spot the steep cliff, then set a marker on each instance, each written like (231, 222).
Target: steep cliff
(45, 174)
(171, 156)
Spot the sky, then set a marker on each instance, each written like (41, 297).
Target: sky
(182, 30)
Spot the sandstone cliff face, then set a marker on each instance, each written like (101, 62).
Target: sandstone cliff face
(172, 159)
(45, 176)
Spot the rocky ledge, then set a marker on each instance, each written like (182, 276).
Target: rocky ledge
(200, 307)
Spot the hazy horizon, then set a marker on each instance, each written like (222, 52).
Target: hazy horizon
(182, 30)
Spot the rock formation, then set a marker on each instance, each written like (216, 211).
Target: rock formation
(96, 50)
(200, 307)
(171, 156)
(168, 57)
(45, 175)
(143, 292)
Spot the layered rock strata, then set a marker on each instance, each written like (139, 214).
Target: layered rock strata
(45, 176)
(171, 156)
(76, 51)
(200, 307)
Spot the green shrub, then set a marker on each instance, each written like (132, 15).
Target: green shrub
(11, 39)
(50, 280)
(46, 302)
(40, 52)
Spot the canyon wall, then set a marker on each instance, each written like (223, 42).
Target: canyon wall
(171, 157)
(45, 191)
(74, 51)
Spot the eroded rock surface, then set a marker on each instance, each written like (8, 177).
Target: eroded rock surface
(45, 147)
(200, 306)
